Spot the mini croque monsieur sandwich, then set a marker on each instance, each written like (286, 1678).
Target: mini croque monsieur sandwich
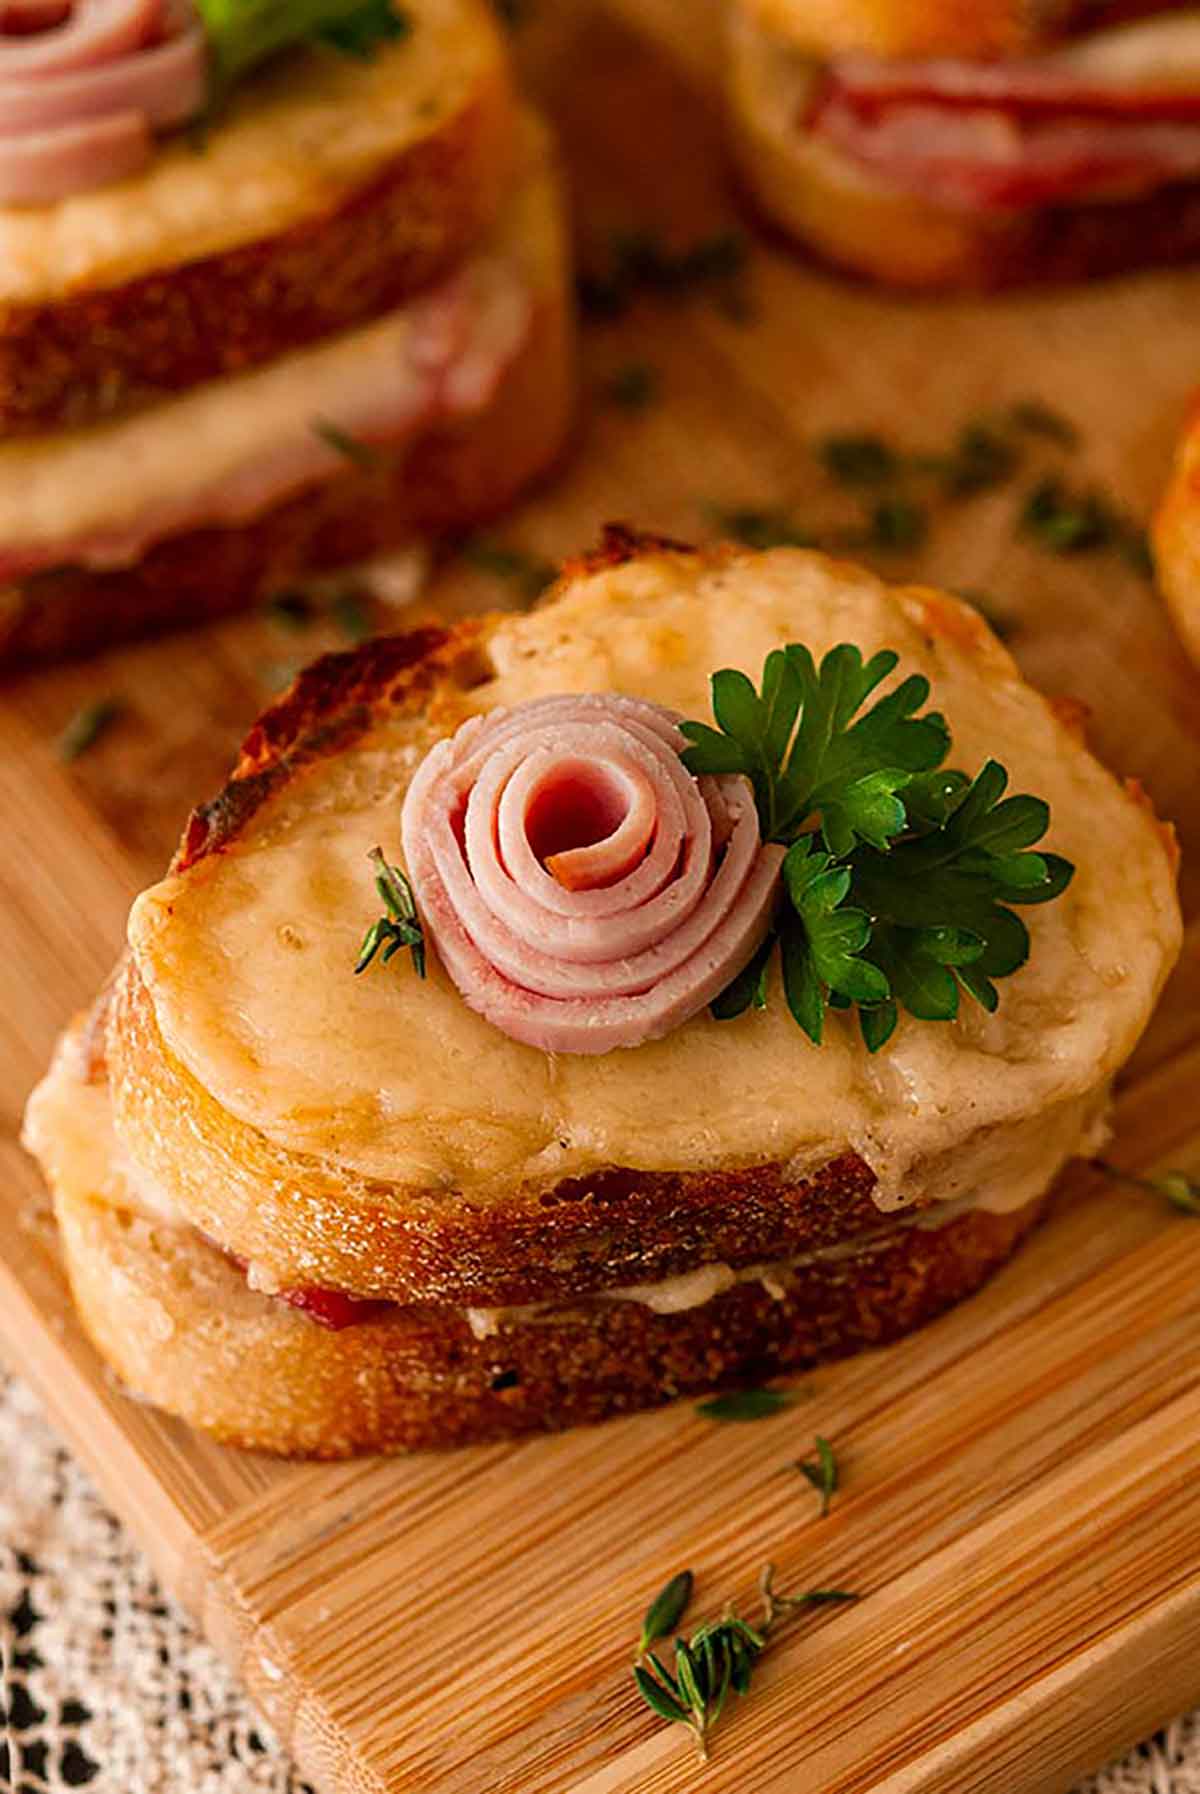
(1177, 538)
(948, 144)
(314, 305)
(678, 1055)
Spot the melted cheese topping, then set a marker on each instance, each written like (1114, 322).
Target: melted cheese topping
(248, 957)
(290, 146)
(109, 484)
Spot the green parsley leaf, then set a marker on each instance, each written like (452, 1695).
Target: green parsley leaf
(244, 33)
(761, 529)
(858, 460)
(902, 877)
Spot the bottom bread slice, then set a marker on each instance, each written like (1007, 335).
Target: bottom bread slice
(181, 1327)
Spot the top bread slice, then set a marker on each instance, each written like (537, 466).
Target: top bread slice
(373, 1134)
(827, 28)
(323, 192)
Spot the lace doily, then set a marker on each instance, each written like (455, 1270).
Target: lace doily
(104, 1684)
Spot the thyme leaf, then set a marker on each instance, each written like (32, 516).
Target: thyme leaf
(746, 1404)
(87, 725)
(822, 1474)
(666, 1610)
(400, 927)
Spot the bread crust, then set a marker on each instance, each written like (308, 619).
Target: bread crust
(827, 28)
(350, 244)
(452, 477)
(182, 1329)
(97, 353)
(1176, 536)
(856, 221)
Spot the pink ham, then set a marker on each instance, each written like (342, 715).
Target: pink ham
(998, 159)
(583, 890)
(440, 358)
(83, 87)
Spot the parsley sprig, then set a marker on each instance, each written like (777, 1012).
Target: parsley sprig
(901, 874)
(244, 33)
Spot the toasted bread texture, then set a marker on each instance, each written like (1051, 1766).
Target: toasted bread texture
(451, 476)
(375, 1135)
(182, 1329)
(855, 220)
(825, 28)
(326, 190)
(1177, 538)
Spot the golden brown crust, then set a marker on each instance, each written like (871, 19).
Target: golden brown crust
(93, 353)
(856, 221)
(1177, 538)
(828, 28)
(180, 1327)
(449, 479)
(301, 1218)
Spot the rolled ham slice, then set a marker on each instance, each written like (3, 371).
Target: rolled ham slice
(584, 891)
(82, 91)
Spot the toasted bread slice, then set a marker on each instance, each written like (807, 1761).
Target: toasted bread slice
(853, 218)
(1177, 538)
(327, 190)
(183, 1329)
(376, 1136)
(825, 28)
(455, 472)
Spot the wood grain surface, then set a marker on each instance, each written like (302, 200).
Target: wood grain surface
(1020, 1507)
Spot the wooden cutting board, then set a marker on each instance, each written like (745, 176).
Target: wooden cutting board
(1020, 1504)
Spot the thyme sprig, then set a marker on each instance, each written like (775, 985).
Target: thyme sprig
(400, 927)
(822, 1472)
(720, 1656)
(1176, 1187)
(901, 874)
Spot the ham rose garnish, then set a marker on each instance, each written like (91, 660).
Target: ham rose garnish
(84, 84)
(583, 890)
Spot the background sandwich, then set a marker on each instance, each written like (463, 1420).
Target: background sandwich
(945, 145)
(325, 311)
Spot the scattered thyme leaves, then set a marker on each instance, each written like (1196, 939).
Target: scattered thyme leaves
(350, 614)
(761, 529)
(666, 1610)
(87, 725)
(746, 1404)
(362, 455)
(1067, 521)
(719, 1658)
(1037, 419)
(983, 457)
(528, 572)
(639, 262)
(894, 524)
(821, 1472)
(634, 386)
(858, 460)
(400, 927)
(1176, 1187)
(902, 876)
(290, 610)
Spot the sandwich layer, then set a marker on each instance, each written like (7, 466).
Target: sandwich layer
(427, 419)
(377, 1137)
(183, 1329)
(967, 28)
(1177, 539)
(978, 174)
(327, 190)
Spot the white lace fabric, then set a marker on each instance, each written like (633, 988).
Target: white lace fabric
(106, 1686)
